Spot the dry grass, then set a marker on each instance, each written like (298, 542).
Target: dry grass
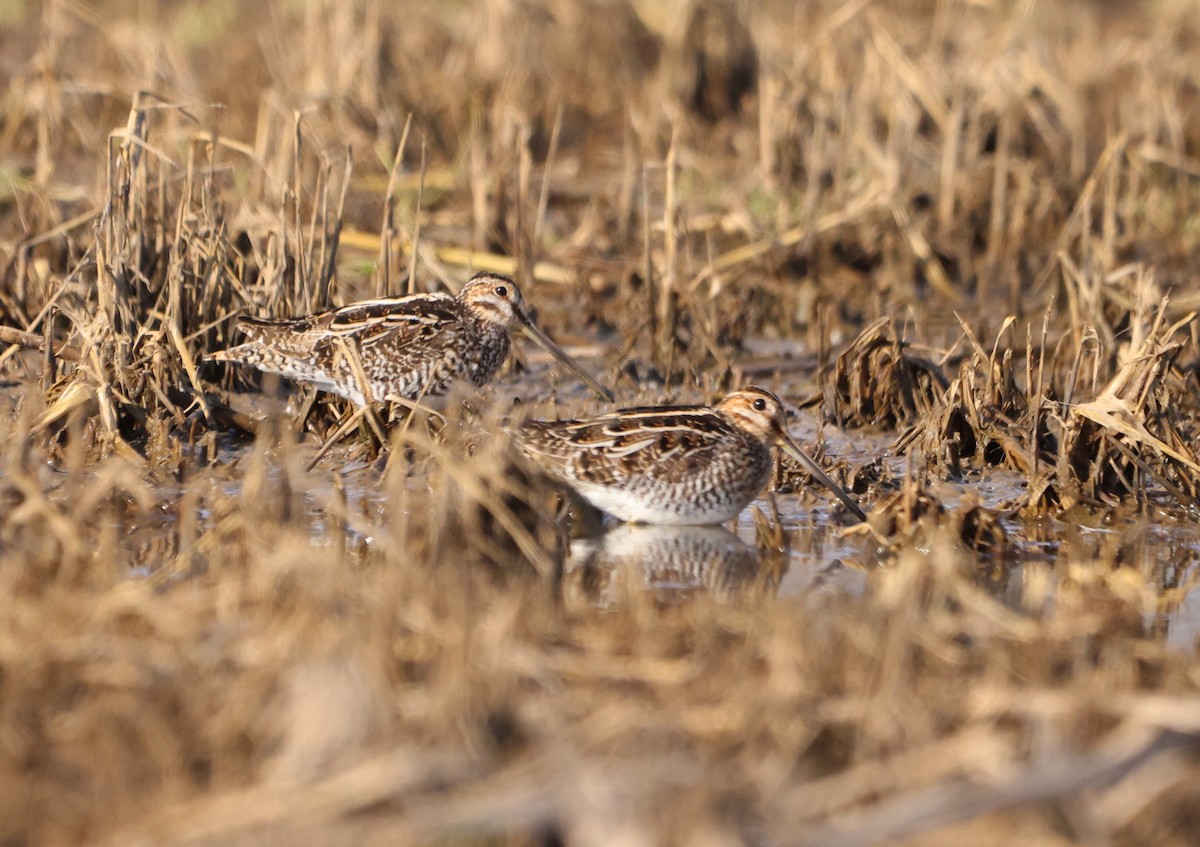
(966, 228)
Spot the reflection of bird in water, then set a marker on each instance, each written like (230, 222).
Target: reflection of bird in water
(662, 559)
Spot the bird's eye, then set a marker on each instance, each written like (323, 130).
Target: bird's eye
(501, 291)
(760, 405)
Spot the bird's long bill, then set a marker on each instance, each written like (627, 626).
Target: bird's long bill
(793, 449)
(554, 350)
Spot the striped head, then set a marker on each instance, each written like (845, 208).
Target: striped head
(756, 411)
(760, 413)
(495, 300)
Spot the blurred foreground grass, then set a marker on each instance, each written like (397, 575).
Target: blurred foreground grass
(204, 642)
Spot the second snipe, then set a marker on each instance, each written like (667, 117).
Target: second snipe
(672, 464)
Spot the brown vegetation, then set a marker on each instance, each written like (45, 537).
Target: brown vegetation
(966, 233)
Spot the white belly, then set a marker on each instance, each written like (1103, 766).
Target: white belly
(658, 507)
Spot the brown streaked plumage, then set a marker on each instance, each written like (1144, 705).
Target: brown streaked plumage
(408, 347)
(672, 464)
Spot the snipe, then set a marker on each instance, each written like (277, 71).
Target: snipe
(399, 348)
(672, 464)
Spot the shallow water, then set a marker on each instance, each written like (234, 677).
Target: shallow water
(817, 558)
(820, 558)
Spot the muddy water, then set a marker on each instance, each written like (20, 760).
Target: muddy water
(817, 558)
